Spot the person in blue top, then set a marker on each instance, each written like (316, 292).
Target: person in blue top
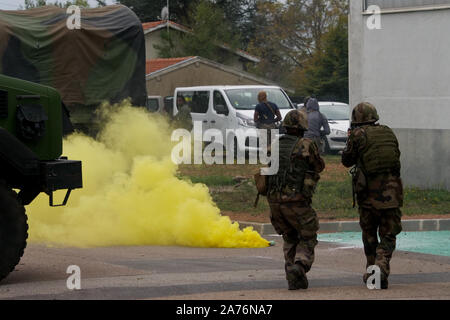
(266, 115)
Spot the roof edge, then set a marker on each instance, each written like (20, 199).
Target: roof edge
(176, 26)
(206, 61)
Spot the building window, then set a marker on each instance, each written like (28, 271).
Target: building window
(398, 4)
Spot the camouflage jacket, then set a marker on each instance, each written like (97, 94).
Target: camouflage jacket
(305, 151)
(183, 118)
(379, 191)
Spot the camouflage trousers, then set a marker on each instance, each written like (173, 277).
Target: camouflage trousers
(297, 222)
(320, 144)
(387, 224)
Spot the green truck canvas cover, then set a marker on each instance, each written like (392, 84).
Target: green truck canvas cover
(104, 60)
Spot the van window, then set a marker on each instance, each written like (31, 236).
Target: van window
(168, 105)
(247, 98)
(220, 101)
(152, 104)
(197, 101)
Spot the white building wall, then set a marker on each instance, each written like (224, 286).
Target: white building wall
(404, 70)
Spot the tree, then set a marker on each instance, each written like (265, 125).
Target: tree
(289, 35)
(81, 3)
(210, 33)
(171, 45)
(150, 10)
(240, 14)
(30, 4)
(326, 74)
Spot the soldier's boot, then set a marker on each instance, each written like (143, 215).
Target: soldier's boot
(366, 277)
(370, 262)
(296, 277)
(384, 281)
(385, 270)
(383, 261)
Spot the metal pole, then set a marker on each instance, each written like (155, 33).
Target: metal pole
(168, 17)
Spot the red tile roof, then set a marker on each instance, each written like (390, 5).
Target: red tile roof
(154, 24)
(158, 64)
(149, 25)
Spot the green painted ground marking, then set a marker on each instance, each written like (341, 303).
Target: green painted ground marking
(430, 242)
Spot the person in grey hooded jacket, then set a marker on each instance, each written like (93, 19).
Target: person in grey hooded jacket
(316, 121)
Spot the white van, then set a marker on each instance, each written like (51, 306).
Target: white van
(230, 107)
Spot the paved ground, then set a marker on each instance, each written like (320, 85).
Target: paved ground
(198, 273)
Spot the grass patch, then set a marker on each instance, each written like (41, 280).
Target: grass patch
(229, 170)
(240, 199)
(419, 201)
(213, 181)
(332, 200)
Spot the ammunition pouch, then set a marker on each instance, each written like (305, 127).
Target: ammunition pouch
(261, 186)
(261, 183)
(30, 121)
(359, 184)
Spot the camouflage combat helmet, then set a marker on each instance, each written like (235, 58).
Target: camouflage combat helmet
(296, 119)
(364, 112)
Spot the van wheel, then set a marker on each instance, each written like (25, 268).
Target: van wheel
(13, 230)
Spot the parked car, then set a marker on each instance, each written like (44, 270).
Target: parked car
(230, 107)
(338, 115)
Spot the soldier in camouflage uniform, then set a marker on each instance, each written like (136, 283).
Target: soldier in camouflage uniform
(373, 150)
(289, 195)
(183, 118)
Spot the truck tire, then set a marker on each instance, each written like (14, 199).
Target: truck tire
(13, 230)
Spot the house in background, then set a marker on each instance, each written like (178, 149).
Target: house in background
(165, 74)
(152, 31)
(402, 68)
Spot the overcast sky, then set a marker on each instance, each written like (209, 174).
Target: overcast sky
(14, 4)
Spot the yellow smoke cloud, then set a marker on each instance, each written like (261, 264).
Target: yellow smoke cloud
(131, 195)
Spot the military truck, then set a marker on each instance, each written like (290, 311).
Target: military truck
(102, 59)
(31, 135)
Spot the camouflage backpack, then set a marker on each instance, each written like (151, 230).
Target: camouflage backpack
(291, 174)
(381, 153)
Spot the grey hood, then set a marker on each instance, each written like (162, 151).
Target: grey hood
(316, 121)
(312, 105)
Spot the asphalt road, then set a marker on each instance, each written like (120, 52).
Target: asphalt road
(155, 272)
